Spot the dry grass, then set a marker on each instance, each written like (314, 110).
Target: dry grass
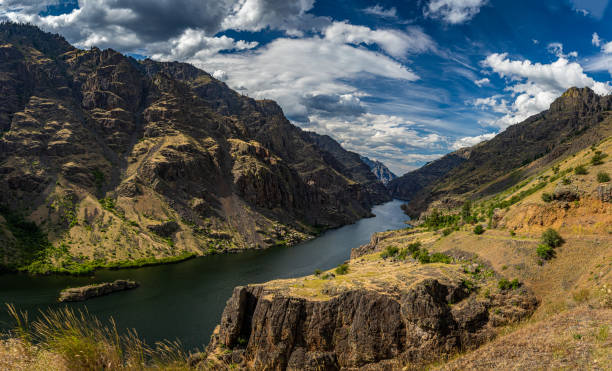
(75, 340)
(575, 340)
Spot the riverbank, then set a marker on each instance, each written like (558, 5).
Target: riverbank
(197, 289)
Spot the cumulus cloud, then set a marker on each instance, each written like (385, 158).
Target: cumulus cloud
(482, 82)
(195, 44)
(454, 11)
(379, 11)
(534, 86)
(394, 42)
(391, 139)
(607, 48)
(470, 141)
(305, 74)
(129, 24)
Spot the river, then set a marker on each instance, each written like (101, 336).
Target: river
(184, 301)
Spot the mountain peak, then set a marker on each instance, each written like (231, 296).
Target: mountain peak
(577, 99)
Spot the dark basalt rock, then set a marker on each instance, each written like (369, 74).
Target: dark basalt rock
(93, 291)
(360, 328)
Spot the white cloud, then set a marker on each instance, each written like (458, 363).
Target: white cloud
(534, 86)
(595, 40)
(607, 48)
(454, 11)
(379, 11)
(394, 42)
(288, 70)
(470, 141)
(195, 44)
(129, 24)
(557, 49)
(480, 83)
(389, 138)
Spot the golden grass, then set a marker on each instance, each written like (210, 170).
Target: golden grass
(76, 340)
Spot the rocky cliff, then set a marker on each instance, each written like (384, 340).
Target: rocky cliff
(377, 313)
(379, 169)
(109, 159)
(576, 120)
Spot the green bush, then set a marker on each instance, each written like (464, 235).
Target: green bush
(414, 247)
(551, 238)
(597, 159)
(547, 197)
(447, 231)
(317, 272)
(512, 233)
(504, 284)
(566, 181)
(545, 252)
(389, 252)
(440, 258)
(478, 229)
(603, 177)
(342, 269)
(580, 170)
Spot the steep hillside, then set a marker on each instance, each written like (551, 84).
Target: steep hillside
(410, 184)
(379, 169)
(106, 160)
(576, 120)
(520, 280)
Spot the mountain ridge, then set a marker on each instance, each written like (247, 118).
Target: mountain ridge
(119, 160)
(577, 119)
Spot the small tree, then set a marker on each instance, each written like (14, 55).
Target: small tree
(466, 211)
(478, 229)
(551, 238)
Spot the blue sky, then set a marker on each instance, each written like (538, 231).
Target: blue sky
(403, 82)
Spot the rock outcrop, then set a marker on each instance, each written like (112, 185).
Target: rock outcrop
(379, 169)
(92, 291)
(381, 315)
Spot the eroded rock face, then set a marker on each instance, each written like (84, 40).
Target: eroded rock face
(144, 142)
(92, 291)
(361, 328)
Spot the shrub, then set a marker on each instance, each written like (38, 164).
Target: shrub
(440, 258)
(551, 238)
(504, 284)
(414, 247)
(580, 170)
(447, 231)
(566, 181)
(603, 177)
(547, 197)
(512, 233)
(597, 159)
(342, 269)
(317, 272)
(478, 229)
(389, 252)
(545, 252)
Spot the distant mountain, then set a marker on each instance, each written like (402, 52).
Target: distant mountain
(108, 160)
(576, 120)
(380, 170)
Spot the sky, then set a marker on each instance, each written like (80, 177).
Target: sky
(402, 82)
